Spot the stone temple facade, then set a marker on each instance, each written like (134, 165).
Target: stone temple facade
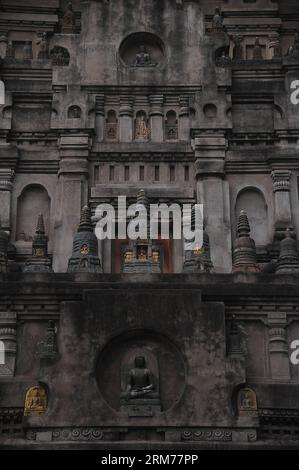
(113, 344)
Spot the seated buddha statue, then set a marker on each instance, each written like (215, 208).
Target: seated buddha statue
(140, 380)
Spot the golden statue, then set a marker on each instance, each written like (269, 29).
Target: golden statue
(156, 256)
(35, 402)
(128, 256)
(247, 403)
(40, 252)
(84, 250)
(142, 254)
(142, 131)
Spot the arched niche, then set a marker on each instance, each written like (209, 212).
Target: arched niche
(162, 357)
(171, 126)
(143, 41)
(60, 56)
(74, 112)
(253, 202)
(33, 200)
(142, 129)
(111, 125)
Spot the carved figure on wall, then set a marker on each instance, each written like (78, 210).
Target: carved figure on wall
(247, 402)
(47, 349)
(217, 20)
(238, 49)
(27, 50)
(69, 20)
(140, 379)
(35, 402)
(143, 58)
(74, 112)
(10, 53)
(257, 50)
(142, 131)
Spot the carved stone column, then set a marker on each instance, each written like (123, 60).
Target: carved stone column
(278, 348)
(213, 193)
(72, 194)
(100, 118)
(8, 336)
(184, 119)
(3, 44)
(156, 117)
(6, 186)
(283, 211)
(126, 119)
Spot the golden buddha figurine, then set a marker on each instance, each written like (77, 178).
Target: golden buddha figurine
(35, 402)
(142, 254)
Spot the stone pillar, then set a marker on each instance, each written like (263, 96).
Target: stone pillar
(184, 119)
(6, 186)
(8, 336)
(283, 212)
(278, 347)
(213, 193)
(72, 194)
(3, 44)
(156, 118)
(126, 119)
(100, 118)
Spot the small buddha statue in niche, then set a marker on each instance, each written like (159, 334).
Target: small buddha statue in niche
(142, 132)
(140, 379)
(143, 58)
(43, 53)
(69, 20)
(247, 401)
(142, 254)
(257, 50)
(35, 402)
(10, 52)
(217, 20)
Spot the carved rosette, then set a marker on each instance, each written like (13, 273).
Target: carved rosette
(207, 435)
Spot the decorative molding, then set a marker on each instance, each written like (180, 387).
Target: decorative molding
(67, 434)
(207, 435)
(11, 420)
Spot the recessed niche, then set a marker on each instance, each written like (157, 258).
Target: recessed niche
(210, 110)
(142, 50)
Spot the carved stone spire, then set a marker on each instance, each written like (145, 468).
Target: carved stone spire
(85, 224)
(288, 261)
(85, 256)
(39, 261)
(244, 252)
(3, 250)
